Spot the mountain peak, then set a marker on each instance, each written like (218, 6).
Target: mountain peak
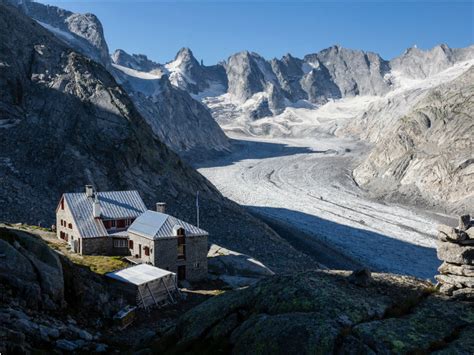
(185, 53)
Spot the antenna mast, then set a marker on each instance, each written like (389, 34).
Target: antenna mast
(197, 208)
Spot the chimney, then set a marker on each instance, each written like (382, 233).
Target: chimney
(89, 190)
(161, 207)
(96, 208)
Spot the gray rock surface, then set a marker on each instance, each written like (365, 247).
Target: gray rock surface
(456, 277)
(417, 63)
(235, 268)
(322, 312)
(427, 154)
(82, 31)
(456, 254)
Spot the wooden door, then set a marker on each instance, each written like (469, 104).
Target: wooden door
(181, 272)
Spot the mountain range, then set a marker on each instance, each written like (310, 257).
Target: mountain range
(182, 100)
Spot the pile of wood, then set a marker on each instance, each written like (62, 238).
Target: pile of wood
(456, 250)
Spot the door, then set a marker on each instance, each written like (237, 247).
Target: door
(181, 272)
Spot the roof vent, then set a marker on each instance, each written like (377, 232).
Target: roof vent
(161, 207)
(89, 191)
(96, 208)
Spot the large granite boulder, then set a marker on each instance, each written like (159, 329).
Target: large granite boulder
(28, 264)
(324, 312)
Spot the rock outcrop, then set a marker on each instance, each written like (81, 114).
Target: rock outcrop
(456, 250)
(426, 155)
(46, 301)
(235, 269)
(325, 312)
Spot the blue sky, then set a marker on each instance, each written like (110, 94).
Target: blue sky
(216, 29)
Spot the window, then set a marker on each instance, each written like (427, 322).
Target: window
(70, 225)
(62, 204)
(121, 223)
(120, 243)
(181, 248)
(130, 244)
(146, 250)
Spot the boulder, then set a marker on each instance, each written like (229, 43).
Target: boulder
(66, 345)
(464, 222)
(447, 234)
(309, 312)
(455, 280)
(454, 253)
(32, 266)
(235, 268)
(361, 277)
(470, 232)
(466, 294)
(461, 270)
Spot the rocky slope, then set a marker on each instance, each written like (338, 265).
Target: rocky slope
(428, 153)
(181, 122)
(164, 108)
(65, 122)
(44, 296)
(326, 312)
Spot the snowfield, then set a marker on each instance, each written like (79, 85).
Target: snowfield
(307, 184)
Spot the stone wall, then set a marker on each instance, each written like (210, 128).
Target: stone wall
(66, 216)
(456, 250)
(101, 246)
(164, 254)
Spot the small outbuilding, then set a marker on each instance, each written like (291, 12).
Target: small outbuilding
(146, 285)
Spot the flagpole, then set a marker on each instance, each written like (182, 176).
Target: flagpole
(197, 208)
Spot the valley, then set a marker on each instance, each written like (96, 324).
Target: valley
(306, 186)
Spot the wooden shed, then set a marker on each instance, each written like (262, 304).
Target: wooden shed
(149, 285)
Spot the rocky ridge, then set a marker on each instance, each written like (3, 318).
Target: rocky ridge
(160, 104)
(251, 82)
(456, 249)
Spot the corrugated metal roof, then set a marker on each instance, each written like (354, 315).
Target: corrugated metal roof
(139, 274)
(113, 205)
(154, 225)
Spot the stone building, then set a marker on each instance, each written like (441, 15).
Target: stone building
(97, 222)
(169, 243)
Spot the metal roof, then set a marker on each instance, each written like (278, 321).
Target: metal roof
(154, 225)
(113, 205)
(139, 274)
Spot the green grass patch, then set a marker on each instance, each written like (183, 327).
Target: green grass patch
(98, 263)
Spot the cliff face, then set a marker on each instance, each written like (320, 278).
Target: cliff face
(65, 122)
(429, 151)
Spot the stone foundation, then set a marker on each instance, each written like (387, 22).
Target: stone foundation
(456, 250)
